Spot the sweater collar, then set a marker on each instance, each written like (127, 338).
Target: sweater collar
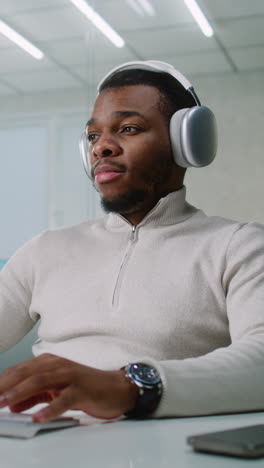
(171, 209)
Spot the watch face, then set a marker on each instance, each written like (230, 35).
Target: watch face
(145, 374)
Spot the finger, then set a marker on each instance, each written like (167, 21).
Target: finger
(13, 376)
(44, 397)
(20, 372)
(32, 387)
(66, 400)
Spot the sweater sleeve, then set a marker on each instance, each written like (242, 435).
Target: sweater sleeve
(16, 285)
(229, 379)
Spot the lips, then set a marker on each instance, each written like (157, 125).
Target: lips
(106, 173)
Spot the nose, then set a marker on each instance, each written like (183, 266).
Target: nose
(106, 146)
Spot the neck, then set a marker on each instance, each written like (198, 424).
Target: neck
(137, 214)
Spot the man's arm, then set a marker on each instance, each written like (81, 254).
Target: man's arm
(66, 385)
(229, 379)
(16, 283)
(63, 383)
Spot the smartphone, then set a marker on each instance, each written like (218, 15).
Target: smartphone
(246, 442)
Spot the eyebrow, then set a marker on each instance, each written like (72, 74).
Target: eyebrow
(117, 114)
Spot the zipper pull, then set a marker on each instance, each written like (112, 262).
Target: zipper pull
(133, 233)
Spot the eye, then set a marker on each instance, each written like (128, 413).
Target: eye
(130, 129)
(92, 137)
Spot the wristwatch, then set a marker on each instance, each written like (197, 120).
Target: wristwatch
(148, 381)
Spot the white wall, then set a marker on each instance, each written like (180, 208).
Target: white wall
(43, 184)
(233, 185)
(23, 184)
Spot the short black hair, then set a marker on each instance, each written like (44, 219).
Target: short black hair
(173, 96)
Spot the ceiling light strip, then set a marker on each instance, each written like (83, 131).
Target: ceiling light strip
(199, 17)
(147, 7)
(135, 6)
(20, 41)
(99, 22)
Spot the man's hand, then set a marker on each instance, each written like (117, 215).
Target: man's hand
(65, 385)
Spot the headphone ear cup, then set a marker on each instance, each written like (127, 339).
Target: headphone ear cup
(193, 135)
(84, 153)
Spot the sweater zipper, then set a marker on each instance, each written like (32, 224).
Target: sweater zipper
(120, 276)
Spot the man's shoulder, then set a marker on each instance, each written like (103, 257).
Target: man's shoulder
(235, 224)
(215, 222)
(54, 240)
(73, 231)
(221, 229)
(55, 244)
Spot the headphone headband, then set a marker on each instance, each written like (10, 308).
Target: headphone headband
(155, 66)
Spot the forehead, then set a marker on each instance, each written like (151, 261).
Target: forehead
(140, 98)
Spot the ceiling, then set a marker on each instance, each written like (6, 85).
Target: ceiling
(76, 55)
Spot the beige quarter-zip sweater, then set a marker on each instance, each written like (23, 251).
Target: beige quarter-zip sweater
(181, 290)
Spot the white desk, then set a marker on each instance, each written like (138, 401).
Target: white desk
(126, 444)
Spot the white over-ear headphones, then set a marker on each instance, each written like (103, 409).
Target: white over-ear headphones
(193, 131)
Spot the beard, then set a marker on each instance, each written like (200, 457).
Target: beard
(126, 203)
(134, 199)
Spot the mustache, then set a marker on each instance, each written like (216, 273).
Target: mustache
(113, 164)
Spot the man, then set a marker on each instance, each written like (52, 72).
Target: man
(156, 283)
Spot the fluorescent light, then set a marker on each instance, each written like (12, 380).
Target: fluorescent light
(142, 7)
(99, 22)
(147, 7)
(133, 4)
(199, 17)
(20, 41)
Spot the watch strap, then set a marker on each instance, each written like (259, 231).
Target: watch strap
(147, 400)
